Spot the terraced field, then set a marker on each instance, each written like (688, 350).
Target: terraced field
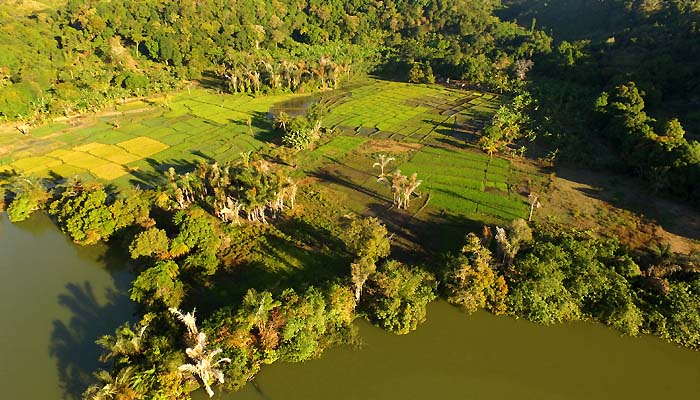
(411, 113)
(140, 140)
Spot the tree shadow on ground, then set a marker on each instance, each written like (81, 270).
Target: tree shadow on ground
(73, 342)
(210, 80)
(629, 193)
(156, 176)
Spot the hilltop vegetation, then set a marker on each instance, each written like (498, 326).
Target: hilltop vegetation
(640, 55)
(92, 52)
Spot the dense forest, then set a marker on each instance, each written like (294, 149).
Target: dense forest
(619, 89)
(619, 94)
(91, 52)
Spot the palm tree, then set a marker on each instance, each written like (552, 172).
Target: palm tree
(360, 271)
(410, 186)
(281, 120)
(205, 362)
(188, 320)
(382, 161)
(534, 201)
(256, 308)
(113, 387)
(206, 369)
(125, 342)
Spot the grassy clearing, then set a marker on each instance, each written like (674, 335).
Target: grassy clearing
(411, 113)
(458, 181)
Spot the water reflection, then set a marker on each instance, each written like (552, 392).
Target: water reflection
(58, 298)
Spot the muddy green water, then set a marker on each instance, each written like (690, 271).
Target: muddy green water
(482, 356)
(57, 298)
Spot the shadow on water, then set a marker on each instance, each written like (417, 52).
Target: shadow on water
(73, 342)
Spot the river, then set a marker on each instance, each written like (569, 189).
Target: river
(57, 298)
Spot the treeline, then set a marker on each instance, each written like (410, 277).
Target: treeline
(89, 53)
(553, 274)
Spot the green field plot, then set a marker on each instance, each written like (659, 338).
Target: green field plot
(332, 151)
(461, 182)
(412, 113)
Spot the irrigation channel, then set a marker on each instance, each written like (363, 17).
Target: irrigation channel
(57, 298)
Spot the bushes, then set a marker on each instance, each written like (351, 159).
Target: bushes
(30, 195)
(397, 296)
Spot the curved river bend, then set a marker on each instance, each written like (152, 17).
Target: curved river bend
(57, 298)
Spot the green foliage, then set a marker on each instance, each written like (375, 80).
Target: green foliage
(397, 296)
(509, 123)
(153, 242)
(29, 195)
(663, 156)
(367, 238)
(132, 206)
(159, 283)
(305, 324)
(297, 138)
(84, 214)
(472, 283)
(569, 276)
(198, 239)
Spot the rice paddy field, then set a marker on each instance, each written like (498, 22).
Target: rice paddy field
(411, 113)
(137, 141)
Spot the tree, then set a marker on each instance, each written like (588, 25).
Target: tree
(29, 195)
(128, 341)
(397, 296)
(471, 281)
(382, 161)
(84, 214)
(281, 120)
(115, 386)
(534, 202)
(416, 74)
(206, 362)
(160, 282)
(403, 187)
(153, 242)
(368, 238)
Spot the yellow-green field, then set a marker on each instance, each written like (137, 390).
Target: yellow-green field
(141, 139)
